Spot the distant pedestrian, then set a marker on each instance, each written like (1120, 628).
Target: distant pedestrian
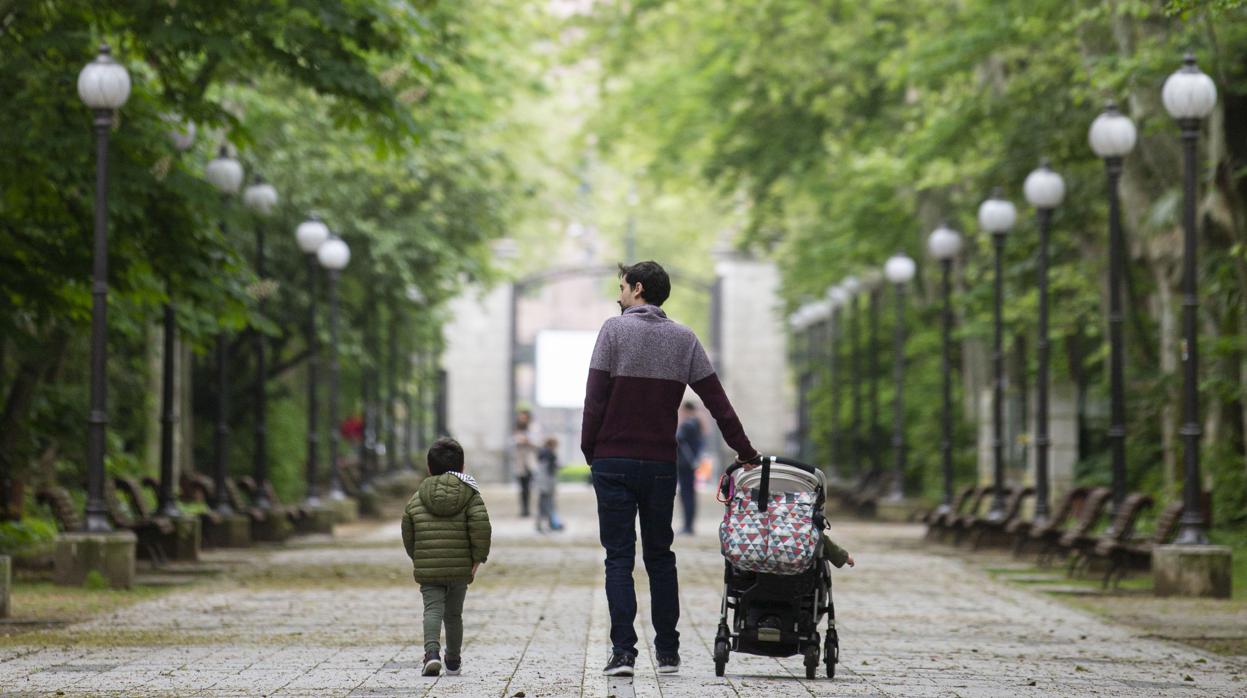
(640, 366)
(689, 441)
(545, 480)
(446, 533)
(524, 456)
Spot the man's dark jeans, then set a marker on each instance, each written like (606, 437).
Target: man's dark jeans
(626, 488)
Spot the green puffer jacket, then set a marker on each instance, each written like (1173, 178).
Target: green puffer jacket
(445, 530)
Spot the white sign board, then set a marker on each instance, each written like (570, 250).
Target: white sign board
(563, 367)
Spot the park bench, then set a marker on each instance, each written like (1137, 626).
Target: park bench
(1083, 518)
(1021, 529)
(961, 524)
(66, 514)
(1079, 545)
(969, 502)
(154, 530)
(197, 487)
(133, 516)
(863, 500)
(1079, 535)
(933, 517)
(293, 512)
(1125, 552)
(983, 527)
(849, 495)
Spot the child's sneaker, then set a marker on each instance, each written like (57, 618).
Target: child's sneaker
(452, 666)
(668, 663)
(432, 664)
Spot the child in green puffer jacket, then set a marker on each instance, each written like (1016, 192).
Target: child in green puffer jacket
(446, 532)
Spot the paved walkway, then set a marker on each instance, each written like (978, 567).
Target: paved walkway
(342, 617)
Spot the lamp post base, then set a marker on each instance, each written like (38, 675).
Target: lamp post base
(319, 520)
(1192, 570)
(232, 531)
(345, 510)
(108, 554)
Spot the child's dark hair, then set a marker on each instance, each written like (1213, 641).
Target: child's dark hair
(445, 455)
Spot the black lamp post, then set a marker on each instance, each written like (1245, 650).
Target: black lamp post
(183, 137)
(310, 235)
(836, 298)
(997, 216)
(412, 365)
(899, 271)
(391, 398)
(334, 256)
(1190, 96)
(802, 361)
(1112, 137)
(1044, 189)
(944, 243)
(224, 173)
(104, 86)
(871, 283)
(851, 286)
(261, 198)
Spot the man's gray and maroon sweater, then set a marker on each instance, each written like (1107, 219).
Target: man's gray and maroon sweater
(640, 365)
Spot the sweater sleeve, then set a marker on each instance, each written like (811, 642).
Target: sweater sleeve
(479, 530)
(597, 393)
(409, 535)
(710, 390)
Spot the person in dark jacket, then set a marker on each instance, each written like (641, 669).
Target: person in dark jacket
(689, 441)
(545, 480)
(446, 533)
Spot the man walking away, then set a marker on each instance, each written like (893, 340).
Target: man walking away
(641, 364)
(689, 441)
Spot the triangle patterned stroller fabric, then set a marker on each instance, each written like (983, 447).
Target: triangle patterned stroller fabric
(781, 540)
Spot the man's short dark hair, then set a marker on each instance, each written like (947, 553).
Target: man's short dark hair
(445, 455)
(655, 284)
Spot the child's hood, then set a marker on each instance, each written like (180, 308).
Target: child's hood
(447, 493)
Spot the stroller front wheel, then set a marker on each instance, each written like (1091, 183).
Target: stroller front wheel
(831, 653)
(721, 652)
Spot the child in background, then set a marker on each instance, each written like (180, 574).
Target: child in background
(446, 533)
(546, 479)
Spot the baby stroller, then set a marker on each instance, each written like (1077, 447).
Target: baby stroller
(775, 581)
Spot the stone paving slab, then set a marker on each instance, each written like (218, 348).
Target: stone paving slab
(342, 618)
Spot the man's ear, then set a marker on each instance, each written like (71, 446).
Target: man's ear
(640, 290)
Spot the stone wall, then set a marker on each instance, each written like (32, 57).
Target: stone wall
(753, 364)
(1062, 432)
(476, 361)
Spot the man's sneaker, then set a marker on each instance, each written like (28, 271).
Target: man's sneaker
(620, 665)
(452, 666)
(668, 663)
(432, 664)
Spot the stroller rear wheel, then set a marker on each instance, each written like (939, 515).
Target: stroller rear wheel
(811, 660)
(721, 652)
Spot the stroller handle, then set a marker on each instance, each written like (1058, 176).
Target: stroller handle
(766, 460)
(764, 488)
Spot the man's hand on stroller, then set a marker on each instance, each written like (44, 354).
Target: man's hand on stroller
(849, 561)
(751, 462)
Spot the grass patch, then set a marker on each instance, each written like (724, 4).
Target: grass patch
(46, 602)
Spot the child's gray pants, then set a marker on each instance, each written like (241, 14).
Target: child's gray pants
(443, 603)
